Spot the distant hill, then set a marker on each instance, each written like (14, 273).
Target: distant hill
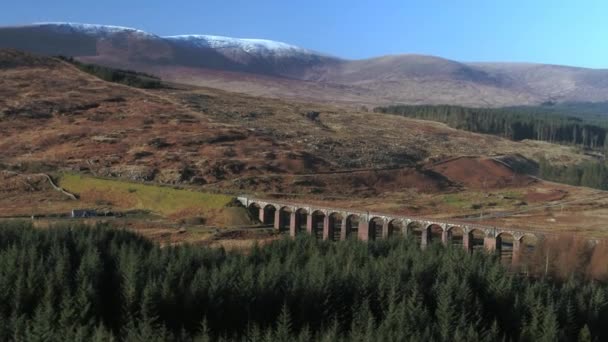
(274, 69)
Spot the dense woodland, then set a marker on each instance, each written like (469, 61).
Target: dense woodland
(126, 77)
(593, 174)
(98, 284)
(587, 129)
(517, 123)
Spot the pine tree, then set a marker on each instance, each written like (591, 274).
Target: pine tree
(550, 328)
(203, 334)
(101, 334)
(283, 330)
(584, 335)
(42, 327)
(331, 333)
(305, 335)
(445, 312)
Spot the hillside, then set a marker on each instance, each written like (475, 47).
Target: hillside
(66, 118)
(57, 119)
(273, 69)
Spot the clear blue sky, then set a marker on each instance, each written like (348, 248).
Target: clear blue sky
(546, 31)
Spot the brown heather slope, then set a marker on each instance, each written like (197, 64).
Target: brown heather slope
(481, 173)
(54, 117)
(52, 113)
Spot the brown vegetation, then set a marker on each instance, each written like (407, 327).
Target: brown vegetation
(563, 256)
(481, 173)
(64, 119)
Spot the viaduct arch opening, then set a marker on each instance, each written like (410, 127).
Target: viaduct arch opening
(264, 215)
(527, 244)
(455, 236)
(505, 244)
(433, 232)
(396, 229)
(474, 240)
(352, 226)
(336, 231)
(301, 221)
(283, 219)
(318, 218)
(415, 229)
(255, 212)
(523, 256)
(375, 228)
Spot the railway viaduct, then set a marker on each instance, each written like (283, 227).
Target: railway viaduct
(340, 224)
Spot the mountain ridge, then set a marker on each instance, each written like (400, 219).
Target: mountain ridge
(275, 69)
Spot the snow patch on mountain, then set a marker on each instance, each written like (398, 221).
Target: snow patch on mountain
(260, 47)
(253, 46)
(91, 29)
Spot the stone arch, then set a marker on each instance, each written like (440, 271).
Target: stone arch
(352, 225)
(254, 205)
(505, 245)
(301, 220)
(528, 242)
(254, 210)
(434, 233)
(376, 224)
(523, 253)
(455, 235)
(396, 228)
(284, 218)
(268, 215)
(415, 230)
(318, 221)
(336, 221)
(474, 239)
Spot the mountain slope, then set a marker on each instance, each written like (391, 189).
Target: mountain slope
(267, 68)
(56, 118)
(61, 115)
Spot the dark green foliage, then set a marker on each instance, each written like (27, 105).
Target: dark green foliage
(593, 174)
(517, 123)
(98, 284)
(126, 77)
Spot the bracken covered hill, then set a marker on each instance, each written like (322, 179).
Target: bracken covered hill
(56, 116)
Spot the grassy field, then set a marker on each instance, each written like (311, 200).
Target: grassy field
(465, 201)
(126, 195)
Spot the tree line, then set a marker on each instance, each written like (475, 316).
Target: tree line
(100, 284)
(593, 173)
(126, 77)
(515, 123)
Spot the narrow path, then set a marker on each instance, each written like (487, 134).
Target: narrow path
(50, 180)
(58, 188)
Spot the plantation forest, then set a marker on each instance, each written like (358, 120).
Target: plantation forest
(516, 123)
(74, 283)
(588, 130)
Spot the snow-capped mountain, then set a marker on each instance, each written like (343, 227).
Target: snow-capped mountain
(252, 46)
(269, 68)
(115, 45)
(258, 56)
(101, 42)
(90, 29)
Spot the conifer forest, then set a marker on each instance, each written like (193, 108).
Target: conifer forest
(74, 283)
